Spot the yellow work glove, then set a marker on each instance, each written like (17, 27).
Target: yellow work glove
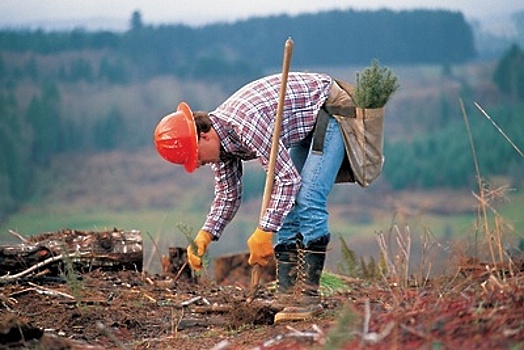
(260, 247)
(200, 244)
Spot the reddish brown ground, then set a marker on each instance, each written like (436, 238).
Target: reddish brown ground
(474, 309)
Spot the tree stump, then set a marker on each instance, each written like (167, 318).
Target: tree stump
(233, 268)
(176, 264)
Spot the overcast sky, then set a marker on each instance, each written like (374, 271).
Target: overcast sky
(197, 12)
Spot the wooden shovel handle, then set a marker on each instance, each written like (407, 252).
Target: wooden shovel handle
(270, 177)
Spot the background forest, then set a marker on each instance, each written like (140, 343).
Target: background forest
(68, 95)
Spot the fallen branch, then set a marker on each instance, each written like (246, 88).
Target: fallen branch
(220, 308)
(190, 301)
(42, 292)
(19, 236)
(8, 278)
(317, 336)
(48, 291)
(223, 345)
(415, 332)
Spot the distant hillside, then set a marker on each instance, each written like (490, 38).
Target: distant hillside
(248, 47)
(84, 92)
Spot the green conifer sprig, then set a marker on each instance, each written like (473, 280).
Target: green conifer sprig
(374, 86)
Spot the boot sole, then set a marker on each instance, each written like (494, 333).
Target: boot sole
(292, 313)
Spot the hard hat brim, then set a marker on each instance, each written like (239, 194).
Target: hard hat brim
(192, 161)
(176, 138)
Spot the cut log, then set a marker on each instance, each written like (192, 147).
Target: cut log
(107, 250)
(233, 268)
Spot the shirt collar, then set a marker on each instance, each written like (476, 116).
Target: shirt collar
(230, 142)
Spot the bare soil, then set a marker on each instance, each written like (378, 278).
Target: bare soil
(478, 307)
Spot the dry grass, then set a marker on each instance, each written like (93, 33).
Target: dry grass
(478, 305)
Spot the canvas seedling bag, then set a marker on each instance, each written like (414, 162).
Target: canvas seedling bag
(363, 133)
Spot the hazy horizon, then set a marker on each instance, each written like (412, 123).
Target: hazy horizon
(115, 15)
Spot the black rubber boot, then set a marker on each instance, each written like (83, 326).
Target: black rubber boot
(309, 269)
(314, 257)
(286, 257)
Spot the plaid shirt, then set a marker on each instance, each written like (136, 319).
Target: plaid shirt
(245, 123)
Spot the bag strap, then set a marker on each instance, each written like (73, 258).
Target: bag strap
(320, 131)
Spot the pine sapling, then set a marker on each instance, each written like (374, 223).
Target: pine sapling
(374, 86)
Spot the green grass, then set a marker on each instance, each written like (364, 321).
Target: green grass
(513, 211)
(441, 226)
(34, 220)
(156, 222)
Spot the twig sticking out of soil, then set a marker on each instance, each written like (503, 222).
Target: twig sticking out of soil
(374, 337)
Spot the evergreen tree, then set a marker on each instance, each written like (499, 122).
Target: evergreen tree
(136, 21)
(113, 70)
(109, 132)
(43, 115)
(15, 167)
(509, 73)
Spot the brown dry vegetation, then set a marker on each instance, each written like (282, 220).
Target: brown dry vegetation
(480, 306)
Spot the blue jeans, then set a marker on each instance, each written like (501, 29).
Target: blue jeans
(309, 216)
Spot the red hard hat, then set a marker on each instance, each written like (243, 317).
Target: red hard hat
(176, 138)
